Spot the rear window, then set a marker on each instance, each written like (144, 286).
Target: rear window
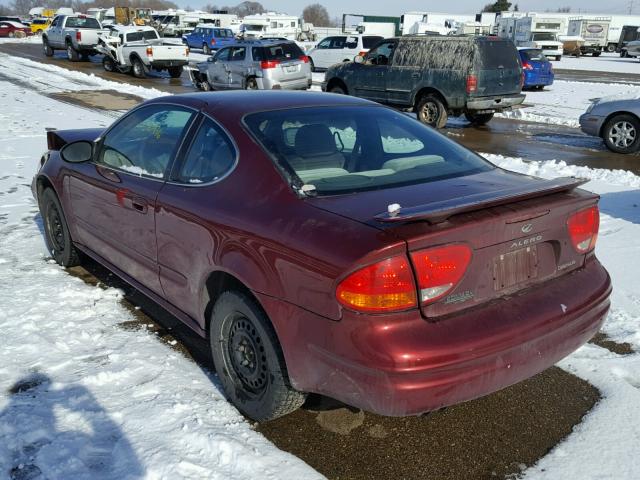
(369, 42)
(138, 36)
(82, 22)
(283, 51)
(349, 149)
(533, 55)
(497, 54)
(39, 22)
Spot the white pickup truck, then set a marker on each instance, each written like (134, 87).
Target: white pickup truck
(77, 34)
(139, 50)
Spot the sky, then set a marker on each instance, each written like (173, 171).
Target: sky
(398, 7)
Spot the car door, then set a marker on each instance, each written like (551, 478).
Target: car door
(217, 70)
(113, 198)
(4, 29)
(188, 240)
(337, 49)
(237, 67)
(320, 55)
(370, 75)
(54, 34)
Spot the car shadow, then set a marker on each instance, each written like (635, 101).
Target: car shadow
(624, 205)
(49, 429)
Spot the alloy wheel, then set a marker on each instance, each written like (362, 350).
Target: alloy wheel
(622, 134)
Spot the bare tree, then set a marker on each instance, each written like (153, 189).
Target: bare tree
(564, 10)
(316, 14)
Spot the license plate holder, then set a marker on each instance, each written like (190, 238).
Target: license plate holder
(513, 268)
(291, 69)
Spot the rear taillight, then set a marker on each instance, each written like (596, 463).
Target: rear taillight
(527, 66)
(266, 64)
(149, 52)
(363, 53)
(78, 35)
(472, 84)
(385, 286)
(439, 270)
(583, 229)
(304, 58)
(213, 41)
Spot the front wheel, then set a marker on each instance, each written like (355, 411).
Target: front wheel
(621, 134)
(431, 111)
(558, 58)
(108, 64)
(57, 236)
(596, 54)
(138, 68)
(478, 119)
(206, 49)
(249, 360)
(175, 72)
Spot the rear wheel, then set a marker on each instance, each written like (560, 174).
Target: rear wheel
(251, 84)
(338, 89)
(249, 360)
(312, 65)
(478, 119)
(57, 236)
(72, 53)
(138, 68)
(558, 58)
(596, 54)
(206, 49)
(621, 134)
(11, 34)
(431, 111)
(175, 72)
(611, 48)
(48, 51)
(623, 53)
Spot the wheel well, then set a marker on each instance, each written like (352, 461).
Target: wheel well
(217, 283)
(336, 82)
(43, 182)
(615, 114)
(134, 56)
(67, 41)
(426, 91)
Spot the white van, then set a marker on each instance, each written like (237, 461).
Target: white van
(341, 48)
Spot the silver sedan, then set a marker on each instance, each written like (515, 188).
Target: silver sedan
(616, 120)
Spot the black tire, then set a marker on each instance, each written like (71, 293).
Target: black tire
(251, 84)
(57, 236)
(431, 111)
(175, 72)
(558, 58)
(596, 54)
(248, 359)
(611, 48)
(48, 51)
(72, 53)
(137, 68)
(623, 54)
(312, 65)
(621, 134)
(84, 57)
(206, 49)
(338, 90)
(108, 64)
(478, 119)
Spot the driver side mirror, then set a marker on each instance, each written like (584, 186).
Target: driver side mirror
(77, 152)
(211, 59)
(358, 59)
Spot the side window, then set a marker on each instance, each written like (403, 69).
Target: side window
(56, 22)
(144, 142)
(352, 42)
(238, 54)
(256, 53)
(396, 140)
(210, 156)
(325, 43)
(223, 55)
(338, 42)
(381, 55)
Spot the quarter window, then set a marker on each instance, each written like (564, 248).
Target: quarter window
(144, 142)
(210, 156)
(238, 54)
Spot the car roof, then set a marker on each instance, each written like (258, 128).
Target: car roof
(243, 102)
(133, 28)
(14, 24)
(263, 43)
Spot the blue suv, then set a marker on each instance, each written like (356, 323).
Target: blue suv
(209, 38)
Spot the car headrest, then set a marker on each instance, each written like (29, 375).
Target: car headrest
(314, 140)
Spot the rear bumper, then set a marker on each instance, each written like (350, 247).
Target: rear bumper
(532, 79)
(160, 64)
(496, 103)
(403, 365)
(268, 83)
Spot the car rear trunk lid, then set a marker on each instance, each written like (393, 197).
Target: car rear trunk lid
(497, 68)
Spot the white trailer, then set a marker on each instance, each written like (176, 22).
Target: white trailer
(474, 28)
(594, 31)
(385, 30)
(409, 22)
(271, 24)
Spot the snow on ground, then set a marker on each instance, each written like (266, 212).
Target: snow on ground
(563, 102)
(96, 401)
(607, 62)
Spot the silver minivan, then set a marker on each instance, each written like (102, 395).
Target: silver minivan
(255, 65)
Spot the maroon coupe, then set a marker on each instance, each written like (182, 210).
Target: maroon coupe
(328, 244)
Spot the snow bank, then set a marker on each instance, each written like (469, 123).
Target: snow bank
(607, 62)
(81, 397)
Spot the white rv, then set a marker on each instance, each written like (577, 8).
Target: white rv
(594, 31)
(265, 25)
(540, 32)
(414, 22)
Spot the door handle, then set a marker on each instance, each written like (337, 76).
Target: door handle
(108, 174)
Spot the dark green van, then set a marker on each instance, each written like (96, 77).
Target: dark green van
(436, 76)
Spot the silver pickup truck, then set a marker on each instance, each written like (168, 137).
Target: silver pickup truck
(77, 34)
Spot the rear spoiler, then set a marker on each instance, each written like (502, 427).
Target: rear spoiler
(438, 212)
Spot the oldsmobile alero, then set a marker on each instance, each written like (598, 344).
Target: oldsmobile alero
(327, 244)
